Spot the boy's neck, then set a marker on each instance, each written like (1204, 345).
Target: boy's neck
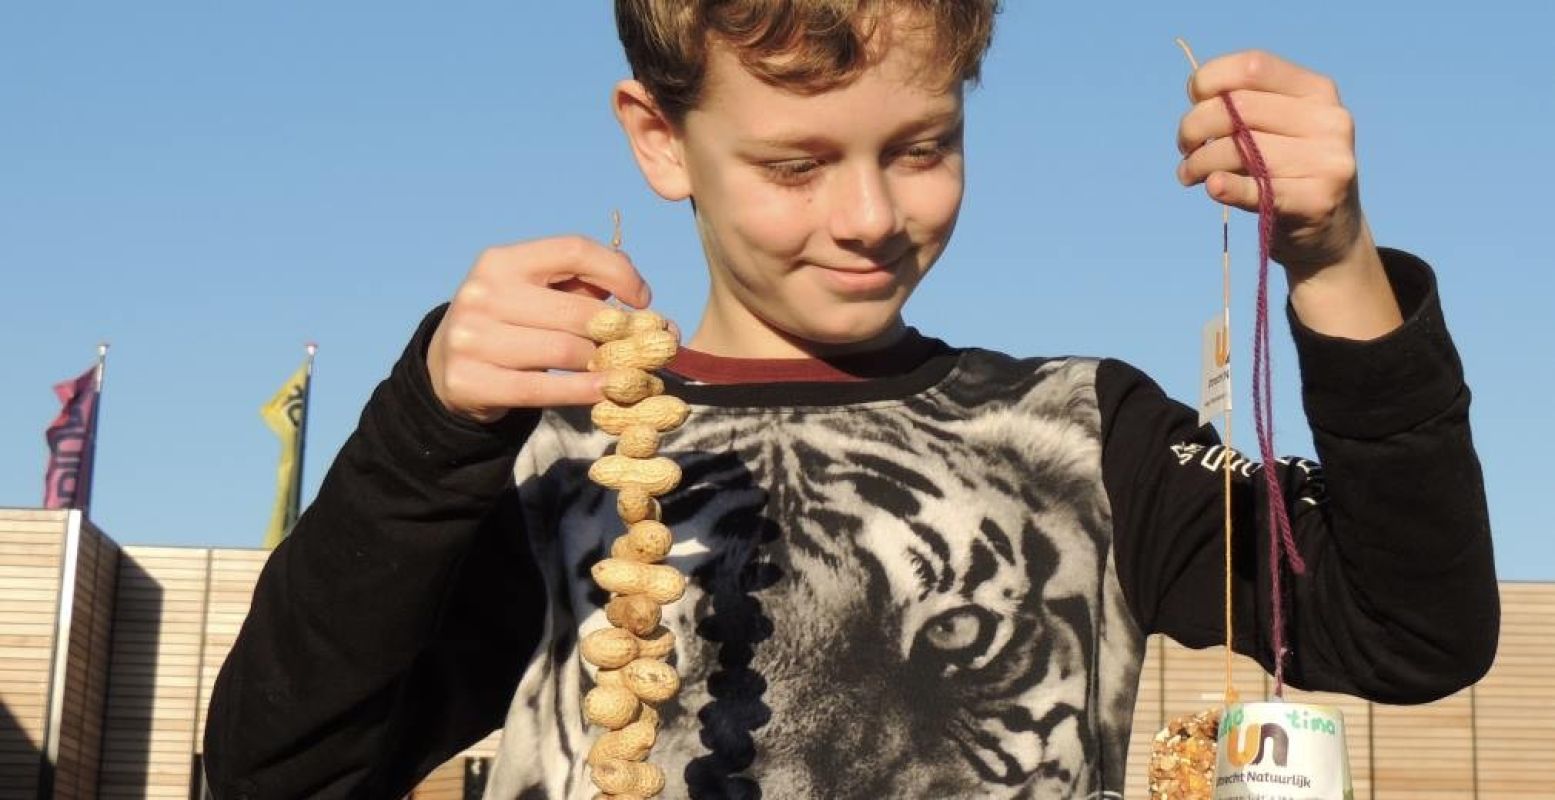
(904, 357)
(755, 339)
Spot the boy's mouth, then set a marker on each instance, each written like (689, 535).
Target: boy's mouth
(860, 278)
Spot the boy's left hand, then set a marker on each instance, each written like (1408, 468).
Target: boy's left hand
(1307, 139)
(1308, 143)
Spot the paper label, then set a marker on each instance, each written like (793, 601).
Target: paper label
(1215, 375)
(1282, 751)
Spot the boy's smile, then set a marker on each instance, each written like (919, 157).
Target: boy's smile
(820, 213)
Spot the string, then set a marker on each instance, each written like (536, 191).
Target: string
(1223, 359)
(1281, 540)
(1282, 544)
(615, 244)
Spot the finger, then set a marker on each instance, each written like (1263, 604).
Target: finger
(515, 347)
(1235, 190)
(1264, 112)
(580, 288)
(1295, 198)
(554, 308)
(568, 258)
(1284, 156)
(505, 298)
(489, 386)
(1260, 71)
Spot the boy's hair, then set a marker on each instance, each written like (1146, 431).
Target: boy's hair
(806, 46)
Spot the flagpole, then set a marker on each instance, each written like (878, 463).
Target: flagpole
(302, 427)
(84, 484)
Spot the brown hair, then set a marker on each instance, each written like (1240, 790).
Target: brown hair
(806, 46)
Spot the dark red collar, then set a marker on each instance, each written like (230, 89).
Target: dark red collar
(899, 358)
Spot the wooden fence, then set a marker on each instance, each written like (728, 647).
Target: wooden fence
(1488, 742)
(165, 617)
(57, 575)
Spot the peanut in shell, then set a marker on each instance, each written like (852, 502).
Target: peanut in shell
(631, 743)
(637, 613)
(653, 681)
(635, 505)
(609, 648)
(645, 321)
(664, 412)
(662, 584)
(656, 476)
(615, 776)
(612, 707)
(648, 350)
(647, 541)
(638, 441)
(608, 325)
(626, 385)
(659, 643)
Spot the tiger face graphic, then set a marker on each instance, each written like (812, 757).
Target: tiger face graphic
(903, 599)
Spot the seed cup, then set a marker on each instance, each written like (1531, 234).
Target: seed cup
(1286, 750)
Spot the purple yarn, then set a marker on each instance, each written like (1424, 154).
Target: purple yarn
(1282, 544)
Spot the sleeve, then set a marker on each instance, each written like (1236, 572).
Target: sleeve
(388, 631)
(1399, 602)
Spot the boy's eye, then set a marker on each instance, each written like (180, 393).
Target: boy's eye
(792, 172)
(927, 154)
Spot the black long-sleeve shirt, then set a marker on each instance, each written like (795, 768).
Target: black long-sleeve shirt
(935, 582)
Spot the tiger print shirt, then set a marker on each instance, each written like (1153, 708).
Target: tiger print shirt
(934, 582)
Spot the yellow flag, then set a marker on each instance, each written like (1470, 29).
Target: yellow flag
(286, 414)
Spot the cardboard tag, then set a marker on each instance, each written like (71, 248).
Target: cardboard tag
(1215, 375)
(1282, 751)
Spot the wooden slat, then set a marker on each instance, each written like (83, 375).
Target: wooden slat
(1422, 750)
(1195, 679)
(31, 610)
(31, 555)
(150, 736)
(445, 783)
(233, 576)
(10, 571)
(27, 642)
(86, 677)
(25, 530)
(1515, 704)
(10, 515)
(1149, 716)
(33, 594)
(30, 560)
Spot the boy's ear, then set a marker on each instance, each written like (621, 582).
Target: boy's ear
(656, 143)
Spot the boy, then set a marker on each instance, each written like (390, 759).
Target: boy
(916, 570)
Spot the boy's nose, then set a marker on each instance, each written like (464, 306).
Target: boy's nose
(862, 209)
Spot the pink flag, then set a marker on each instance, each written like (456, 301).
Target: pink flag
(68, 482)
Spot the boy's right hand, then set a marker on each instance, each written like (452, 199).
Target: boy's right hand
(522, 312)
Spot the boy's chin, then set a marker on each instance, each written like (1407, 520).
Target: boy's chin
(852, 326)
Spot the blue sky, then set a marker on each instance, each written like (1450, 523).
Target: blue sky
(208, 186)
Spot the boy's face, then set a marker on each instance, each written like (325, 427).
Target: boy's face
(820, 214)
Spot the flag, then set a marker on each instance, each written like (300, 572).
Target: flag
(67, 482)
(287, 415)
